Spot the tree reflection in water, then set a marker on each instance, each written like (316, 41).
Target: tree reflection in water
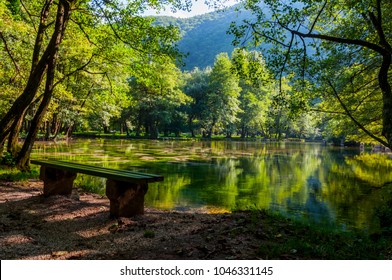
(326, 185)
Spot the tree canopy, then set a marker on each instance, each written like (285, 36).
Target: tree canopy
(342, 47)
(313, 69)
(56, 41)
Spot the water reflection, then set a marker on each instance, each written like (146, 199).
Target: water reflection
(320, 184)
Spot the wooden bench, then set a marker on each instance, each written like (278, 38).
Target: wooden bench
(125, 189)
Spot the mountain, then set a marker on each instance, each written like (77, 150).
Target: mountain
(205, 36)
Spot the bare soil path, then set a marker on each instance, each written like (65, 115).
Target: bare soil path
(79, 227)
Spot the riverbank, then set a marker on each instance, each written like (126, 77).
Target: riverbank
(79, 227)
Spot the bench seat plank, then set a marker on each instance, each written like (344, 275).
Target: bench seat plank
(114, 174)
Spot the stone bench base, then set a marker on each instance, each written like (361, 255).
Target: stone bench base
(56, 181)
(126, 199)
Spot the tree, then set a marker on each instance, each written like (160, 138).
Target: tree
(196, 87)
(257, 88)
(155, 90)
(117, 22)
(222, 98)
(41, 64)
(320, 40)
(14, 50)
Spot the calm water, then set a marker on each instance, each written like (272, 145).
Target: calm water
(325, 185)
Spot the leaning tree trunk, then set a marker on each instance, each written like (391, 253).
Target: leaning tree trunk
(2, 148)
(70, 130)
(12, 145)
(63, 13)
(23, 159)
(38, 68)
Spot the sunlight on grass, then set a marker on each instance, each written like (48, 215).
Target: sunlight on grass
(13, 174)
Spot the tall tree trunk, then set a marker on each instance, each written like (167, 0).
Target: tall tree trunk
(36, 75)
(105, 128)
(13, 138)
(23, 159)
(55, 126)
(70, 130)
(154, 131)
(243, 131)
(2, 148)
(40, 34)
(63, 13)
(190, 125)
(211, 128)
(209, 133)
(47, 131)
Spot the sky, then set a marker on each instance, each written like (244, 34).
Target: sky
(198, 8)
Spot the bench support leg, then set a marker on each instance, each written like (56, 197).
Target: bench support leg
(56, 181)
(126, 199)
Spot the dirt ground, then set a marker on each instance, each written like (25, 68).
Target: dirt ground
(79, 227)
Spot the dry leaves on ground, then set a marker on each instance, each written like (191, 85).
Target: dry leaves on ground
(79, 227)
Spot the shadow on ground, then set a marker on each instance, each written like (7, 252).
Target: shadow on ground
(60, 227)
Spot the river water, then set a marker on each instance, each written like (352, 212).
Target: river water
(330, 186)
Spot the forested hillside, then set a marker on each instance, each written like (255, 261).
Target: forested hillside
(205, 36)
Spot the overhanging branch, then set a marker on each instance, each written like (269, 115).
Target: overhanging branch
(339, 40)
(363, 128)
(74, 71)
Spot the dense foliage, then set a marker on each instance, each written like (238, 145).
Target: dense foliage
(91, 65)
(62, 60)
(236, 96)
(340, 50)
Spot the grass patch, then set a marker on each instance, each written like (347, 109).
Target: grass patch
(91, 184)
(283, 238)
(12, 174)
(149, 233)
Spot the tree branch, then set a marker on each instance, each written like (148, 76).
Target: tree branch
(73, 72)
(364, 99)
(83, 31)
(327, 111)
(94, 73)
(339, 40)
(317, 17)
(104, 74)
(304, 59)
(7, 49)
(377, 23)
(29, 14)
(378, 139)
(268, 37)
(110, 82)
(284, 62)
(40, 33)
